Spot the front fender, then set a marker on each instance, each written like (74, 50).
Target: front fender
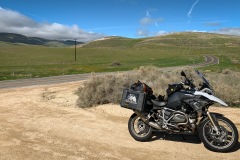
(211, 97)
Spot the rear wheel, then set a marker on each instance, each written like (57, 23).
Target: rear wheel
(225, 141)
(138, 129)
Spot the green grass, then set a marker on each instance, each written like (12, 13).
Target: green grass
(26, 61)
(34, 61)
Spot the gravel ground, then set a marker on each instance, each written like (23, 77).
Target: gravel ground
(43, 122)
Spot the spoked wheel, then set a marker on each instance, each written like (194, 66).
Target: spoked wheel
(223, 141)
(138, 129)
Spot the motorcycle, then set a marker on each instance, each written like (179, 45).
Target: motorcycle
(184, 112)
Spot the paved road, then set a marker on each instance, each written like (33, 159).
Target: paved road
(44, 80)
(209, 60)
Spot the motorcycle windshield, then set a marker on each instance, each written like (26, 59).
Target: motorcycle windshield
(203, 78)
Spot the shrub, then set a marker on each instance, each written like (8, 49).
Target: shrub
(226, 86)
(101, 89)
(108, 88)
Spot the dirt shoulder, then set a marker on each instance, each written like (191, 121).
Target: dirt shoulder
(43, 122)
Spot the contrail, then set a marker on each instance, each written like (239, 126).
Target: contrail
(191, 9)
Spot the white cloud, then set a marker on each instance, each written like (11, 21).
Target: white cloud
(146, 22)
(10, 18)
(15, 22)
(145, 33)
(142, 33)
(229, 31)
(195, 31)
(160, 33)
(150, 21)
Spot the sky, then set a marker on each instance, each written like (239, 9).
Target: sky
(87, 20)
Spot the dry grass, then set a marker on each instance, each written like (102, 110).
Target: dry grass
(108, 89)
(226, 86)
(101, 89)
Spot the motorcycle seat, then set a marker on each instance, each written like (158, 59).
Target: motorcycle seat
(159, 103)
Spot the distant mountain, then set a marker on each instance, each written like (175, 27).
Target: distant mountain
(18, 38)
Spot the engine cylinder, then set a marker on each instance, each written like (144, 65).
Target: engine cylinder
(179, 118)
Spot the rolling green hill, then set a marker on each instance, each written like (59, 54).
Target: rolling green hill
(226, 47)
(113, 42)
(25, 61)
(182, 39)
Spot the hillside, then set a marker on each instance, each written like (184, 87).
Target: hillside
(18, 38)
(182, 39)
(112, 42)
(177, 49)
(190, 44)
(189, 39)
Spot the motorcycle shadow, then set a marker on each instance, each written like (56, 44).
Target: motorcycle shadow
(185, 138)
(176, 137)
(236, 148)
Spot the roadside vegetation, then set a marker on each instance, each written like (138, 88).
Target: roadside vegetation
(29, 61)
(108, 89)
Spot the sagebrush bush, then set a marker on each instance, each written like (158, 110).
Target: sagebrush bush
(108, 88)
(226, 86)
(101, 89)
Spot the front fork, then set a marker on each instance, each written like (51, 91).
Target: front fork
(214, 122)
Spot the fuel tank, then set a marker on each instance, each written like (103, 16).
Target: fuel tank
(175, 99)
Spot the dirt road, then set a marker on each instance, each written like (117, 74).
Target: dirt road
(44, 123)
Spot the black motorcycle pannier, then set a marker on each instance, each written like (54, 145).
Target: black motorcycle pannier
(133, 99)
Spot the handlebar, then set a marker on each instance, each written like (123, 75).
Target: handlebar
(189, 82)
(207, 90)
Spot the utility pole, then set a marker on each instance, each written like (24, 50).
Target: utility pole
(75, 50)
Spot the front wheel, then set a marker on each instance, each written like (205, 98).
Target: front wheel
(225, 141)
(138, 129)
